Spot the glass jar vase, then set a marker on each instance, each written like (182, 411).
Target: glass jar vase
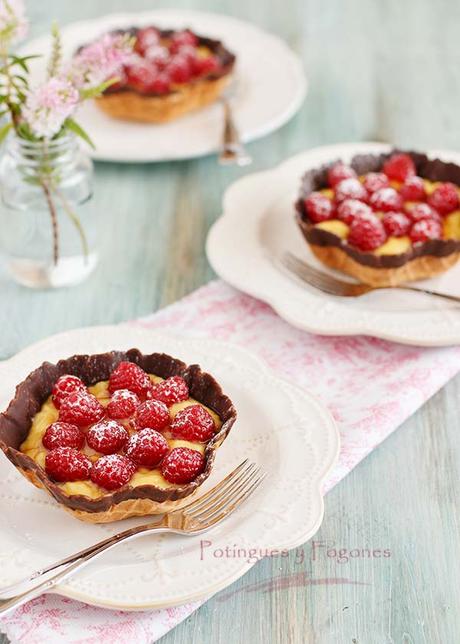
(47, 227)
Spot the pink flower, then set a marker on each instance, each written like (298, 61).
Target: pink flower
(100, 61)
(13, 23)
(47, 107)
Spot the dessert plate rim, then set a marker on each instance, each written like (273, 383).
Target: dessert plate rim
(205, 350)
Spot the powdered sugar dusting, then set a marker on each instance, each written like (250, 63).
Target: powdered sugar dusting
(350, 189)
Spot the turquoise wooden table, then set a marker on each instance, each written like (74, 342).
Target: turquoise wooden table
(382, 71)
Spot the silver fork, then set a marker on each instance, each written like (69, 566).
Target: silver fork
(233, 151)
(333, 286)
(197, 517)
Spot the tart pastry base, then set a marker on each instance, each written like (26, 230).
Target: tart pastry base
(419, 268)
(122, 510)
(132, 106)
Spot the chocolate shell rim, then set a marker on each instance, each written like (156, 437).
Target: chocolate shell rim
(32, 392)
(316, 179)
(226, 57)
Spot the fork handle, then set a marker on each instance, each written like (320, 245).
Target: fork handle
(15, 596)
(232, 151)
(415, 289)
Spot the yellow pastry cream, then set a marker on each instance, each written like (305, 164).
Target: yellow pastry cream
(335, 226)
(48, 414)
(394, 246)
(451, 225)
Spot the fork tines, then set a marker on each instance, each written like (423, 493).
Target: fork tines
(227, 495)
(315, 278)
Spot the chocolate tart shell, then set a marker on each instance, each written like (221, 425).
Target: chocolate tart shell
(30, 395)
(446, 250)
(128, 104)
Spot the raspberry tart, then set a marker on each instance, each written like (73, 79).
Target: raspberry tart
(171, 73)
(384, 219)
(118, 434)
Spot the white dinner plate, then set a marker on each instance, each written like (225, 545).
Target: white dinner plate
(280, 427)
(270, 88)
(258, 225)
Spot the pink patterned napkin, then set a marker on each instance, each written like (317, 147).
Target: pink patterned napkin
(371, 386)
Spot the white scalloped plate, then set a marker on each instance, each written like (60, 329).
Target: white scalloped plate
(282, 428)
(271, 87)
(258, 224)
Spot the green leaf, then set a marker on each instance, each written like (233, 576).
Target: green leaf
(24, 132)
(22, 60)
(92, 92)
(21, 63)
(4, 131)
(73, 126)
(23, 79)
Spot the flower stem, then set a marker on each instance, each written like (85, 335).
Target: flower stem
(76, 222)
(54, 220)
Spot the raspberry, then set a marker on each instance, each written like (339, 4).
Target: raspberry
(188, 53)
(158, 57)
(64, 386)
(147, 447)
(318, 207)
(81, 408)
(170, 391)
(67, 464)
(107, 437)
(339, 172)
(161, 85)
(63, 435)
(425, 229)
(423, 211)
(349, 209)
(182, 465)
(182, 39)
(123, 404)
(112, 471)
(179, 70)
(367, 233)
(413, 189)
(396, 224)
(399, 167)
(146, 38)
(193, 423)
(386, 200)
(141, 77)
(445, 198)
(350, 189)
(153, 414)
(373, 181)
(204, 66)
(129, 376)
